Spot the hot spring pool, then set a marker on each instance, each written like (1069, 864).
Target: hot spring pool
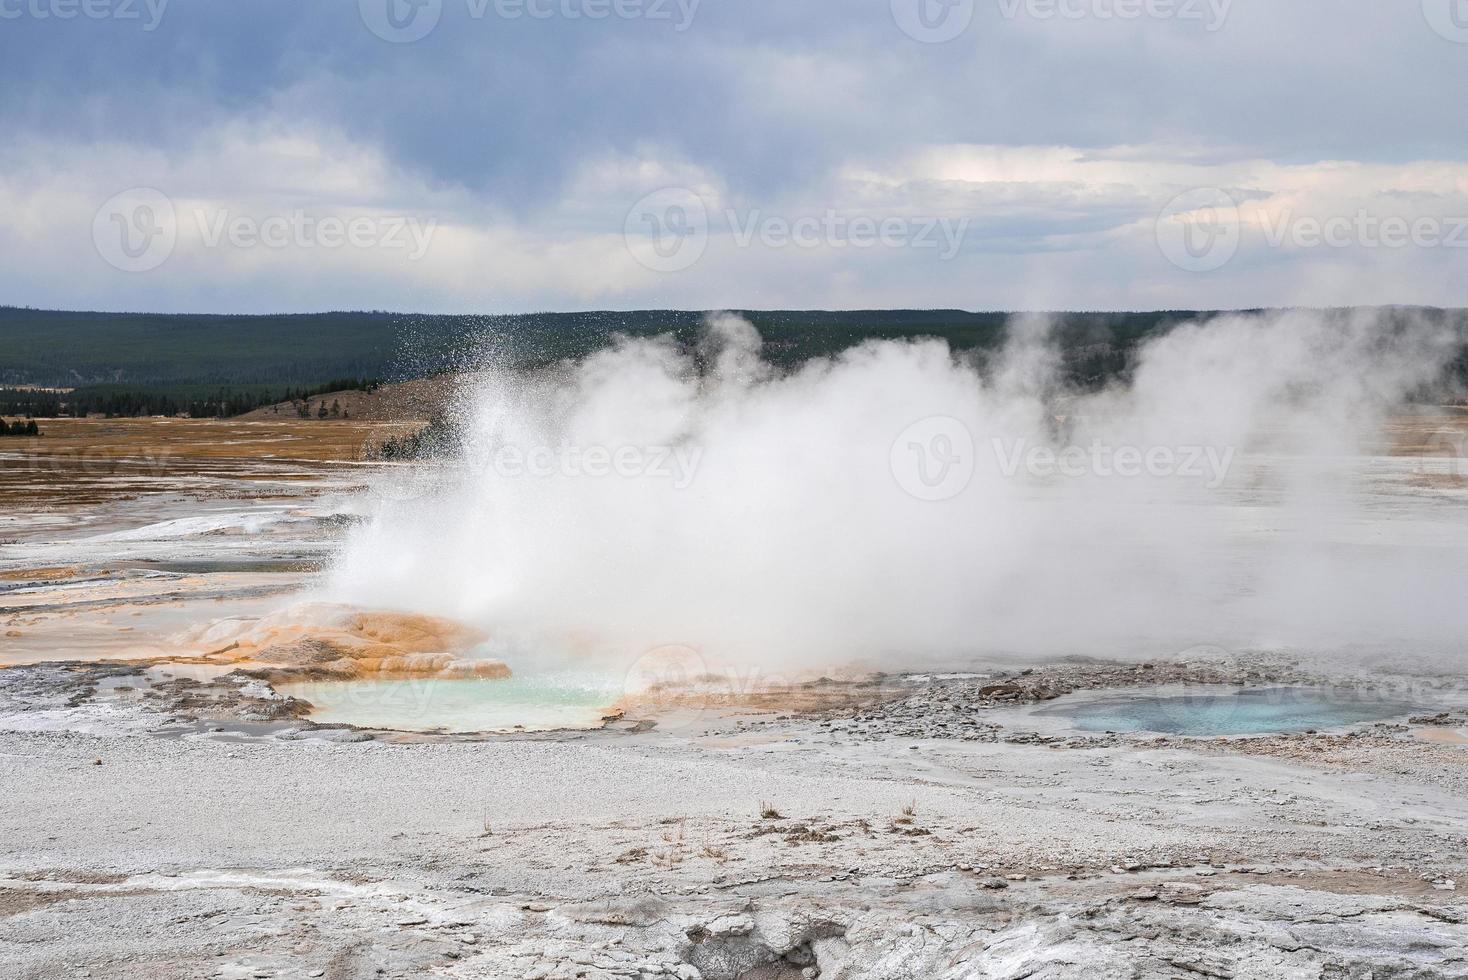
(532, 702)
(1246, 712)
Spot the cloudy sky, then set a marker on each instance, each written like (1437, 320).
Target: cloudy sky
(510, 155)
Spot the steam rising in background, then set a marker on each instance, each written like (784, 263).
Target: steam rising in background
(796, 544)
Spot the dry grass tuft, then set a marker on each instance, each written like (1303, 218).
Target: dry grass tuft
(677, 848)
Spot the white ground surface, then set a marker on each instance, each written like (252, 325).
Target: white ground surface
(647, 855)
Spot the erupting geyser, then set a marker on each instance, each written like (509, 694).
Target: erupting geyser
(648, 495)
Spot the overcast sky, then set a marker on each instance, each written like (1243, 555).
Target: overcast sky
(512, 155)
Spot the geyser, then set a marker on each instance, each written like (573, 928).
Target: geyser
(899, 503)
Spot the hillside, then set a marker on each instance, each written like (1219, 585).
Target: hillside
(418, 400)
(76, 349)
(223, 359)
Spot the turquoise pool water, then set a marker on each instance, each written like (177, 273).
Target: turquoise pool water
(532, 702)
(1246, 712)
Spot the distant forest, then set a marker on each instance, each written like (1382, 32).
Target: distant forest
(133, 401)
(126, 364)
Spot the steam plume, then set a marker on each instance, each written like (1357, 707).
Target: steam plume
(787, 525)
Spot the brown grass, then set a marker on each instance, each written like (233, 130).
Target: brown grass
(78, 462)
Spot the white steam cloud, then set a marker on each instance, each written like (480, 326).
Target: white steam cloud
(900, 504)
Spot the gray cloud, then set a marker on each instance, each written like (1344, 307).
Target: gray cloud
(540, 133)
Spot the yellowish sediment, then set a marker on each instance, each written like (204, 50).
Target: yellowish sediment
(681, 678)
(1444, 736)
(339, 642)
(59, 574)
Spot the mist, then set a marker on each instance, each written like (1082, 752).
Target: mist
(900, 504)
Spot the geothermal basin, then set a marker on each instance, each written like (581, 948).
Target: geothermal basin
(547, 701)
(1218, 712)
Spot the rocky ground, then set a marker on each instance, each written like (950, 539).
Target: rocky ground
(926, 830)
